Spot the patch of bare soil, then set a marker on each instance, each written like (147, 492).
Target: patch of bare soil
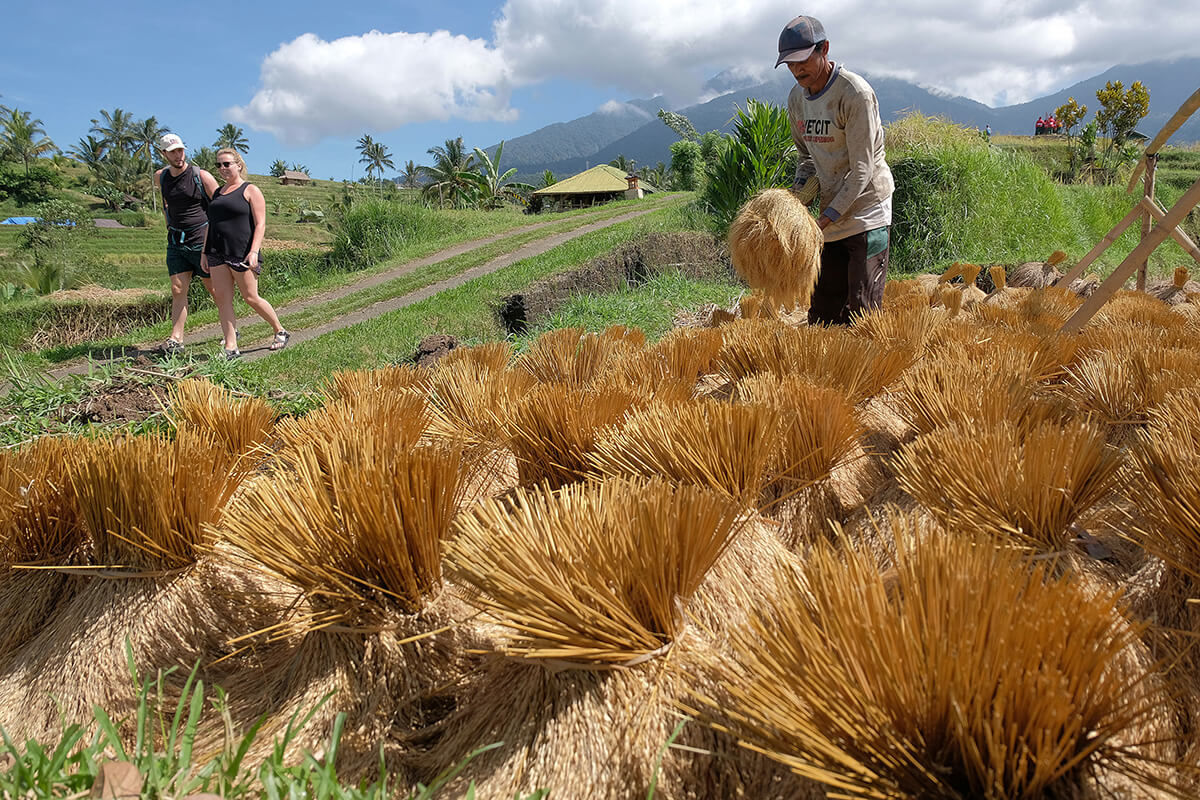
(433, 348)
(125, 400)
(696, 255)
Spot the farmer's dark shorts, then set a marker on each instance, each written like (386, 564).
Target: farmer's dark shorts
(850, 281)
(182, 259)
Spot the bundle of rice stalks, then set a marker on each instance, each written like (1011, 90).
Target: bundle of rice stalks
(966, 672)
(468, 400)
(909, 292)
(635, 337)
(1030, 485)
(361, 537)
(150, 504)
(40, 525)
(1121, 387)
(1003, 295)
(659, 375)
(553, 429)
(972, 294)
(593, 573)
(359, 384)
(492, 356)
(819, 430)
(148, 501)
(571, 356)
(833, 356)
(1138, 308)
(705, 443)
(775, 245)
(241, 424)
(950, 298)
(590, 585)
(1173, 292)
(952, 388)
(401, 418)
(1035, 275)
(1038, 356)
(909, 327)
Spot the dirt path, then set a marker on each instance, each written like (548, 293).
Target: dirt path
(257, 350)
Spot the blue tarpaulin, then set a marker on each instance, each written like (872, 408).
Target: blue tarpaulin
(19, 221)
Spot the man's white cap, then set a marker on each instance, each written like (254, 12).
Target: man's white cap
(170, 142)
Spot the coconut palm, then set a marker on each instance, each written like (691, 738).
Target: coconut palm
(88, 151)
(452, 176)
(496, 188)
(376, 156)
(623, 163)
(117, 129)
(232, 137)
(25, 137)
(410, 176)
(278, 168)
(148, 132)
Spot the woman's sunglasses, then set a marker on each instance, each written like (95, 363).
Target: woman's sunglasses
(226, 163)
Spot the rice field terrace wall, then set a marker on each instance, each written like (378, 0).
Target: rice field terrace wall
(946, 551)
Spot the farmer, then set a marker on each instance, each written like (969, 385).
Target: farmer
(186, 190)
(237, 215)
(835, 123)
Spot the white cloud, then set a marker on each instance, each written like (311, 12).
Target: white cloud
(995, 51)
(311, 89)
(617, 107)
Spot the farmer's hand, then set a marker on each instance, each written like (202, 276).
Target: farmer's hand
(824, 222)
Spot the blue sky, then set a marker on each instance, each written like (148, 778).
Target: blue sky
(306, 79)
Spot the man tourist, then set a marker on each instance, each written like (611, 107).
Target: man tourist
(837, 130)
(186, 190)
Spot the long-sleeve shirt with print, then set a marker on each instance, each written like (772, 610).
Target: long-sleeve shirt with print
(839, 138)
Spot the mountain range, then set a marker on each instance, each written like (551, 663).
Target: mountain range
(633, 130)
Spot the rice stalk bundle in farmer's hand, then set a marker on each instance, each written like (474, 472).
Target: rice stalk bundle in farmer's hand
(775, 245)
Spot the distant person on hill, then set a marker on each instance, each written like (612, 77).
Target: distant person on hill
(186, 190)
(1051, 125)
(835, 123)
(237, 217)
(1040, 128)
(987, 132)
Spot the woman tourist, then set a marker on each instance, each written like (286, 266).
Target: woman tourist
(236, 225)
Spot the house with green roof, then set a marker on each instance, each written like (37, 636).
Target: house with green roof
(601, 184)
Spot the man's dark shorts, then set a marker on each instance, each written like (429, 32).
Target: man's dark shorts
(182, 259)
(851, 281)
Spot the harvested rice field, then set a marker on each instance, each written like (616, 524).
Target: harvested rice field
(944, 552)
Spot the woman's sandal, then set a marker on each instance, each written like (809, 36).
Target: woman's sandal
(281, 340)
(235, 353)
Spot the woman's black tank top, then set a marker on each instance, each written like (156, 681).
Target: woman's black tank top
(185, 201)
(230, 226)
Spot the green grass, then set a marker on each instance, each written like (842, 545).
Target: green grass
(651, 306)
(466, 312)
(959, 199)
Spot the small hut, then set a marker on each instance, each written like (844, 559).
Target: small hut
(601, 184)
(291, 177)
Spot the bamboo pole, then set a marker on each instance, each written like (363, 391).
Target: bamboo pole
(1177, 233)
(1110, 237)
(1189, 107)
(1148, 195)
(1116, 280)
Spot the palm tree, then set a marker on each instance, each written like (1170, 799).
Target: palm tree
(232, 137)
(623, 163)
(298, 167)
(410, 175)
(495, 188)
(376, 156)
(548, 180)
(88, 151)
(24, 137)
(450, 176)
(148, 133)
(116, 130)
(278, 168)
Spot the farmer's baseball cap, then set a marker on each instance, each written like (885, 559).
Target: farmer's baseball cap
(799, 39)
(171, 142)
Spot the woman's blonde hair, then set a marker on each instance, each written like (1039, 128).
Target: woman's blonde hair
(236, 157)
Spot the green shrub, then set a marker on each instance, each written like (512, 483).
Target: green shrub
(758, 155)
(132, 219)
(37, 185)
(375, 230)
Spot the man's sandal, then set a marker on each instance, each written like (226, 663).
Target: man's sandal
(281, 340)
